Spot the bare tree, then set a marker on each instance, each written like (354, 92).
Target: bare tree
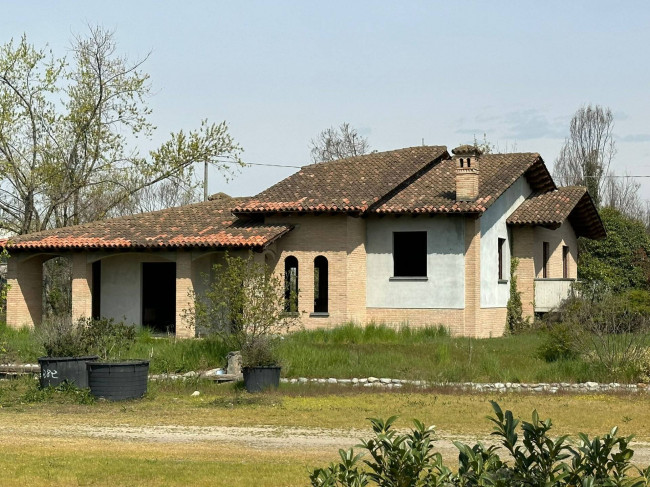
(622, 193)
(588, 151)
(338, 143)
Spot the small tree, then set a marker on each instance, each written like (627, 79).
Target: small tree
(244, 305)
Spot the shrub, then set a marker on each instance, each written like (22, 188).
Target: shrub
(245, 306)
(62, 337)
(559, 344)
(409, 459)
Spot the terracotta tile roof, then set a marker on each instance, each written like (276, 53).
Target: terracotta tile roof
(435, 190)
(345, 185)
(208, 224)
(550, 209)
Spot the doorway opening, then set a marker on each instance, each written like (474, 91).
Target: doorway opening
(159, 296)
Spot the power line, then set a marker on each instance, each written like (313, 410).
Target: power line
(258, 164)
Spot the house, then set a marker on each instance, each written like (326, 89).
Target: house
(414, 235)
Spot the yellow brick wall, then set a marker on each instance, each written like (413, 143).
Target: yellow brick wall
(340, 239)
(184, 300)
(523, 248)
(452, 319)
(25, 295)
(82, 300)
(564, 235)
(472, 276)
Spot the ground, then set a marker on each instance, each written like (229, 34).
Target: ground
(227, 437)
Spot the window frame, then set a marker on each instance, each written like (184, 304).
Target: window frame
(545, 259)
(398, 273)
(291, 300)
(500, 244)
(565, 261)
(321, 286)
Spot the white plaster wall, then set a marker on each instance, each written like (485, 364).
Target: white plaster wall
(121, 288)
(445, 286)
(493, 227)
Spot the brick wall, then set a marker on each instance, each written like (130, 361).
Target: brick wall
(564, 235)
(340, 239)
(523, 248)
(184, 299)
(25, 294)
(82, 301)
(452, 319)
(472, 276)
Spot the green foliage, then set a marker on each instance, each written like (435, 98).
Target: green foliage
(64, 393)
(62, 337)
(559, 343)
(244, 305)
(67, 126)
(621, 260)
(106, 337)
(514, 317)
(409, 459)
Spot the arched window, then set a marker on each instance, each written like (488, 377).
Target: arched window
(469, 162)
(321, 277)
(461, 162)
(291, 284)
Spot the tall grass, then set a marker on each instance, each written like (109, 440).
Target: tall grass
(423, 353)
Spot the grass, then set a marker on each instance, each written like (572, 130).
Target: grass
(352, 351)
(428, 353)
(52, 441)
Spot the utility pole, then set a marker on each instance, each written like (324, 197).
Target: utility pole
(205, 181)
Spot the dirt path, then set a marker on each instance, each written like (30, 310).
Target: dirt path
(258, 437)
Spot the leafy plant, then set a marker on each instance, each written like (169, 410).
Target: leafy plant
(62, 337)
(514, 317)
(408, 459)
(106, 337)
(244, 305)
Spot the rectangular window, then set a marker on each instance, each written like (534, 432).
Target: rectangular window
(545, 256)
(565, 262)
(410, 254)
(501, 242)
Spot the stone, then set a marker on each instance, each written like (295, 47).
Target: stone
(363, 381)
(190, 374)
(345, 381)
(322, 381)
(355, 381)
(372, 379)
(332, 380)
(294, 381)
(302, 380)
(284, 380)
(234, 363)
(212, 372)
(368, 384)
(396, 381)
(196, 394)
(591, 385)
(385, 380)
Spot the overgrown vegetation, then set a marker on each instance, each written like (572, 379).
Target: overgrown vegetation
(514, 318)
(409, 459)
(245, 306)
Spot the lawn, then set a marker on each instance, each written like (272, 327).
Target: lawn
(227, 437)
(351, 351)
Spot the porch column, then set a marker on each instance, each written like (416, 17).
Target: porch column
(523, 249)
(82, 275)
(472, 276)
(25, 293)
(184, 295)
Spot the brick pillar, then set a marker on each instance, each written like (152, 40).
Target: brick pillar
(356, 269)
(523, 249)
(25, 294)
(472, 276)
(82, 300)
(184, 295)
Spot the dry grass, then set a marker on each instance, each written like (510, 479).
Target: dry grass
(48, 443)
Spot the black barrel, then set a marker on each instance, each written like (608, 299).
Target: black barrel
(257, 379)
(117, 381)
(56, 370)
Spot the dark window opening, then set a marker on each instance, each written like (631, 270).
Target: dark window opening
(502, 241)
(291, 284)
(469, 162)
(321, 275)
(461, 163)
(545, 256)
(565, 262)
(159, 296)
(97, 289)
(410, 254)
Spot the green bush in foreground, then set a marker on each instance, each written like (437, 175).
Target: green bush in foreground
(409, 460)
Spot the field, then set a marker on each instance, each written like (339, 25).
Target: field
(227, 437)
(351, 351)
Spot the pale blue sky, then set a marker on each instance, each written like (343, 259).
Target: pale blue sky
(279, 72)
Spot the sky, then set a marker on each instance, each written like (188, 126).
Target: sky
(279, 72)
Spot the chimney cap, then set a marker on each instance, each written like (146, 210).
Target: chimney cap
(466, 150)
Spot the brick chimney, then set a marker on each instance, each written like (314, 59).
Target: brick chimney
(467, 159)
